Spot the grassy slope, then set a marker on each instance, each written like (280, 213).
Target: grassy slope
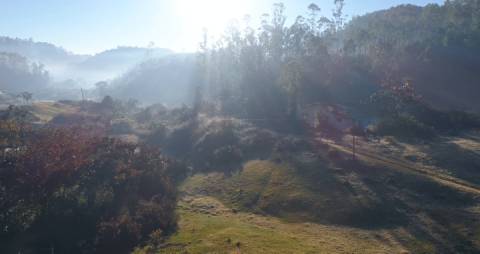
(451, 161)
(437, 216)
(206, 226)
(259, 183)
(46, 111)
(279, 190)
(412, 211)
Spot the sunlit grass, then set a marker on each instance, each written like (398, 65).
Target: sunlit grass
(206, 226)
(46, 111)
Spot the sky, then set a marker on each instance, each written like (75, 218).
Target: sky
(91, 26)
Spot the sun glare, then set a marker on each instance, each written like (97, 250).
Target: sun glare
(214, 15)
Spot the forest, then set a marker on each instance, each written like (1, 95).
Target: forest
(320, 133)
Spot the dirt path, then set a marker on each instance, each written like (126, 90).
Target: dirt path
(404, 166)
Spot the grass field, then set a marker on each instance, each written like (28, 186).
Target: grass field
(207, 226)
(276, 208)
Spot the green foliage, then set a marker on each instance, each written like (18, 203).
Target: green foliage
(264, 74)
(454, 24)
(452, 122)
(403, 115)
(436, 46)
(207, 226)
(274, 71)
(405, 127)
(295, 194)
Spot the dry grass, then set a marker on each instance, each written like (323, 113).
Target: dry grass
(418, 160)
(471, 145)
(46, 111)
(279, 190)
(300, 211)
(207, 226)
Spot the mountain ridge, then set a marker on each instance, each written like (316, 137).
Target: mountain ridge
(65, 65)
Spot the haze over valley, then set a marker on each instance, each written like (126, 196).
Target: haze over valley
(325, 127)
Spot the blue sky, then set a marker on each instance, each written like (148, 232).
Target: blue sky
(90, 26)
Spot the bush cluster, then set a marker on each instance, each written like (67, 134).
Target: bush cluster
(72, 192)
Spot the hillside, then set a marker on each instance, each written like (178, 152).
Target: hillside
(407, 196)
(123, 56)
(436, 47)
(207, 226)
(321, 134)
(86, 69)
(166, 80)
(244, 187)
(43, 52)
(19, 75)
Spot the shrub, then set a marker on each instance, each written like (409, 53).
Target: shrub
(80, 193)
(158, 135)
(404, 126)
(121, 127)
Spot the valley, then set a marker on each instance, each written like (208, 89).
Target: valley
(337, 127)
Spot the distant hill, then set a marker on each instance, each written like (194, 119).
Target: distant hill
(18, 75)
(43, 52)
(123, 56)
(161, 80)
(113, 63)
(88, 69)
(435, 48)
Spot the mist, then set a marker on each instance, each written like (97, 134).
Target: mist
(331, 127)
